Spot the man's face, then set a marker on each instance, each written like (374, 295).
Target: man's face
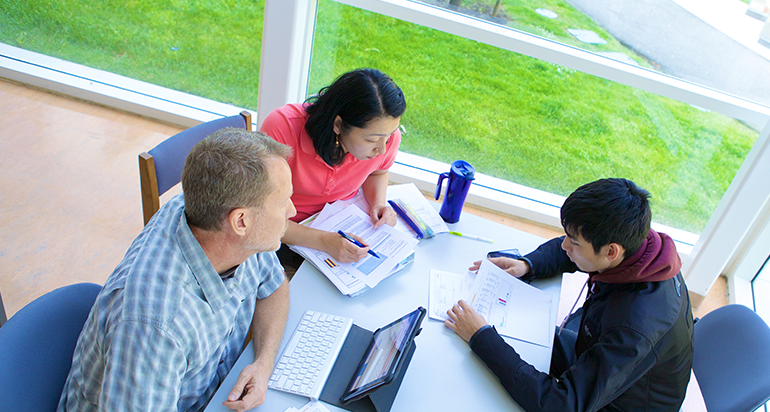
(270, 220)
(582, 253)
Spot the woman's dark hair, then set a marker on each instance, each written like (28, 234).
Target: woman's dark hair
(356, 97)
(608, 211)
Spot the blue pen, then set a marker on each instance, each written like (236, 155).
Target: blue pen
(357, 243)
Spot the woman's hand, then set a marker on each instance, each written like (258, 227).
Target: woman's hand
(515, 267)
(343, 250)
(383, 214)
(464, 320)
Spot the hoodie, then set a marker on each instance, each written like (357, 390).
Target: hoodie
(633, 348)
(655, 261)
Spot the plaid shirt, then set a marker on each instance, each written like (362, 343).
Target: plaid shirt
(166, 328)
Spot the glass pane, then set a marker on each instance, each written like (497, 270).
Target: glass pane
(533, 122)
(705, 42)
(208, 48)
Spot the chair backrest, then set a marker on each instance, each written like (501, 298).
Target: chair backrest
(731, 359)
(36, 347)
(161, 168)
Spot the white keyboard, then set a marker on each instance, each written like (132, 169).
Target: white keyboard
(307, 360)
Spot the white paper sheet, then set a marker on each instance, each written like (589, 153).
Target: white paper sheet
(446, 289)
(513, 307)
(314, 406)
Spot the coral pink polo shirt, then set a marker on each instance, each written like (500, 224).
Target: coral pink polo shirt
(315, 182)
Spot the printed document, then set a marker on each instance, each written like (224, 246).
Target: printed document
(407, 193)
(312, 406)
(446, 289)
(513, 307)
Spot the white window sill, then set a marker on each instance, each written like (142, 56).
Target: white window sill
(171, 106)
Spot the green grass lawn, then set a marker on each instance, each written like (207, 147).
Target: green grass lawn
(209, 48)
(536, 123)
(509, 115)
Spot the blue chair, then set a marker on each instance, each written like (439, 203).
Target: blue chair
(731, 359)
(160, 169)
(36, 347)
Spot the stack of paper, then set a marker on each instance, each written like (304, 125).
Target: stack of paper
(394, 245)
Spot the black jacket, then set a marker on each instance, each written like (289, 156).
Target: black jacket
(634, 347)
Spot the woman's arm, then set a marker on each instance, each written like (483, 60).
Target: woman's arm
(335, 245)
(375, 188)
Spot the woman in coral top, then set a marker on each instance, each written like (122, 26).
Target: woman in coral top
(344, 138)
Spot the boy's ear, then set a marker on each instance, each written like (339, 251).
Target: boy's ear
(615, 251)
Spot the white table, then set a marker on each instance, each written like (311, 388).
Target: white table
(444, 374)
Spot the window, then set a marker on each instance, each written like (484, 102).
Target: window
(694, 41)
(689, 139)
(206, 48)
(533, 122)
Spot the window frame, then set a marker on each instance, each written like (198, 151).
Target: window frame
(109, 89)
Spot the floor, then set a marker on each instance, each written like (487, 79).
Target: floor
(70, 202)
(69, 194)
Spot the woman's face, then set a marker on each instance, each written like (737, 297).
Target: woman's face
(368, 142)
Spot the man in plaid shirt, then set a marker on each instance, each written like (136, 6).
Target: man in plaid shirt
(172, 319)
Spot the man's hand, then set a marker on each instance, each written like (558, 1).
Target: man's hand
(250, 389)
(515, 267)
(464, 320)
(383, 214)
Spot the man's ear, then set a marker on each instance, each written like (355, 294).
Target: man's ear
(614, 252)
(237, 220)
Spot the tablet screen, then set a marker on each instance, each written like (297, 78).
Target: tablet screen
(381, 359)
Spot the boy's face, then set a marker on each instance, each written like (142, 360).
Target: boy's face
(582, 253)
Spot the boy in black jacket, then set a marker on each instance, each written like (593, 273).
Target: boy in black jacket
(633, 348)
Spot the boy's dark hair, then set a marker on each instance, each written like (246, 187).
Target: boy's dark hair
(356, 97)
(608, 211)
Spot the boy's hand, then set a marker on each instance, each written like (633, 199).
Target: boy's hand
(515, 267)
(464, 320)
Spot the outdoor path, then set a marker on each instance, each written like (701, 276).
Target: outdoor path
(704, 41)
(729, 17)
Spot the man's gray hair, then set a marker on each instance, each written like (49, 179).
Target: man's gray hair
(227, 170)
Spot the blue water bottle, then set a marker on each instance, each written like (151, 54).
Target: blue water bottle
(460, 177)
